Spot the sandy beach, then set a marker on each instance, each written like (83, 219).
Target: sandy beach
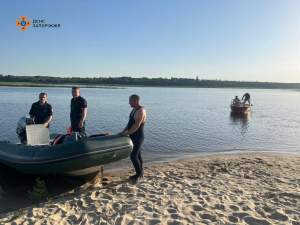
(256, 188)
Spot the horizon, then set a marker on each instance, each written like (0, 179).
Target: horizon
(219, 40)
(154, 78)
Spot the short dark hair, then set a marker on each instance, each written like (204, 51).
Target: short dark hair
(75, 88)
(43, 94)
(135, 97)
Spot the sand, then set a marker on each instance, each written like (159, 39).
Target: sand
(256, 188)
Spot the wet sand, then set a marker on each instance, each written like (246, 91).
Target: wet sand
(258, 188)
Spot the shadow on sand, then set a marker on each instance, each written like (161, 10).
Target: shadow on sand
(14, 187)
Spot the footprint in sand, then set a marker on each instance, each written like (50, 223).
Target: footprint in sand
(234, 208)
(73, 219)
(155, 215)
(240, 215)
(148, 209)
(278, 216)
(196, 208)
(267, 209)
(260, 212)
(246, 208)
(174, 222)
(174, 216)
(171, 211)
(207, 199)
(87, 200)
(140, 195)
(289, 211)
(106, 196)
(196, 192)
(116, 206)
(219, 206)
(233, 219)
(254, 221)
(154, 222)
(124, 189)
(208, 217)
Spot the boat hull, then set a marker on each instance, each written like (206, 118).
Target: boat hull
(75, 158)
(240, 108)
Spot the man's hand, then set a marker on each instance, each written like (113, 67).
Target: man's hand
(123, 133)
(46, 124)
(80, 124)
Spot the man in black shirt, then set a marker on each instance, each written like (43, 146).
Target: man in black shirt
(41, 111)
(247, 98)
(78, 111)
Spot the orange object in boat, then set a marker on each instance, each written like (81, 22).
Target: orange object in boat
(70, 130)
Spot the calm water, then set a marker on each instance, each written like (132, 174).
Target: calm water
(181, 122)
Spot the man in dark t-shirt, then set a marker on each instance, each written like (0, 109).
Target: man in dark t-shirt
(247, 98)
(78, 111)
(41, 111)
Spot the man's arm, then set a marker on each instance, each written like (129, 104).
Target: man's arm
(83, 116)
(48, 121)
(138, 117)
(126, 128)
(31, 112)
(124, 131)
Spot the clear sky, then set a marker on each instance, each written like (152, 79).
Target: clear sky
(248, 40)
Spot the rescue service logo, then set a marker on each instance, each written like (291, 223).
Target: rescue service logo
(36, 23)
(23, 23)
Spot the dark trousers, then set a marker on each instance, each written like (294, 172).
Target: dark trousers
(135, 156)
(76, 128)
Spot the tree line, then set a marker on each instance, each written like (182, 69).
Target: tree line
(164, 82)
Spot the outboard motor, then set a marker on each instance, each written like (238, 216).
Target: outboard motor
(21, 130)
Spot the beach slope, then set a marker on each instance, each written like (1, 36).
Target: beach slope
(256, 188)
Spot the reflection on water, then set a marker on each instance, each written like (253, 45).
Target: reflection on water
(241, 121)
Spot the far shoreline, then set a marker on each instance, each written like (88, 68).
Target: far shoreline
(118, 86)
(59, 86)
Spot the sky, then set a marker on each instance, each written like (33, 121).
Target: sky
(249, 40)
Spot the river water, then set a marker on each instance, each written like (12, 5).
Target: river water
(181, 122)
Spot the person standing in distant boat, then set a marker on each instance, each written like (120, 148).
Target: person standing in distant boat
(41, 111)
(247, 98)
(78, 111)
(135, 130)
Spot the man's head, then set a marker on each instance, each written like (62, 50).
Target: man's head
(75, 92)
(134, 101)
(42, 98)
(236, 96)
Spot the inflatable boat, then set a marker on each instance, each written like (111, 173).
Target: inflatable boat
(75, 158)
